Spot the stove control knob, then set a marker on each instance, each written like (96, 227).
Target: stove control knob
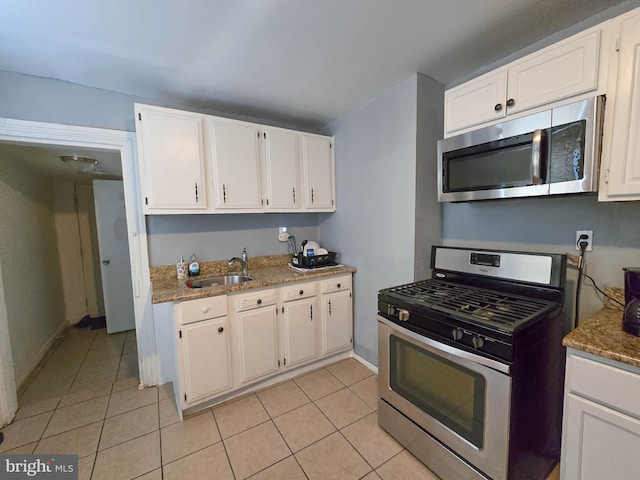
(457, 333)
(403, 315)
(477, 341)
(390, 310)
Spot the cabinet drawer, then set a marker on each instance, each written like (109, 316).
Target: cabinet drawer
(202, 308)
(336, 284)
(296, 292)
(248, 301)
(607, 385)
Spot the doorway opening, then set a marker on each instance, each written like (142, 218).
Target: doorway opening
(122, 144)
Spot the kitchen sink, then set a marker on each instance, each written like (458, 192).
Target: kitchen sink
(217, 281)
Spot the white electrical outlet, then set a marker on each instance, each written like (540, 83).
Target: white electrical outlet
(589, 239)
(283, 235)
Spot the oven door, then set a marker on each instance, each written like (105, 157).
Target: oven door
(449, 393)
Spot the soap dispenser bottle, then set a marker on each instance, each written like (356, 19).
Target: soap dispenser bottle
(182, 268)
(194, 266)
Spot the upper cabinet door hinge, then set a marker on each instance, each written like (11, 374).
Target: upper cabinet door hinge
(140, 116)
(146, 200)
(606, 176)
(180, 333)
(618, 44)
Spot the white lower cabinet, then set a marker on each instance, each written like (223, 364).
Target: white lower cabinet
(601, 422)
(203, 349)
(255, 335)
(299, 324)
(226, 343)
(336, 310)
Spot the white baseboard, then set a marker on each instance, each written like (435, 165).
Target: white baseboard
(370, 366)
(40, 355)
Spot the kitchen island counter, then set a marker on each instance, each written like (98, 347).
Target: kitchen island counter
(602, 335)
(266, 271)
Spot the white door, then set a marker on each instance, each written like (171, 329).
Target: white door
(257, 343)
(319, 172)
(282, 169)
(300, 332)
(115, 265)
(337, 322)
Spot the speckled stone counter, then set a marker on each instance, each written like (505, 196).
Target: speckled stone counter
(602, 335)
(266, 271)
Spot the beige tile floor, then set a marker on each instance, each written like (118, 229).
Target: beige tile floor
(84, 400)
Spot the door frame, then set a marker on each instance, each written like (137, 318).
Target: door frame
(22, 131)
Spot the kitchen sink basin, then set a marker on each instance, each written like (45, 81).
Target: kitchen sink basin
(217, 281)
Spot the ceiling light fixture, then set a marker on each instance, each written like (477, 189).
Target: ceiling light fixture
(82, 164)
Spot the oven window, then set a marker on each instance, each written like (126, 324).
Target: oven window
(450, 393)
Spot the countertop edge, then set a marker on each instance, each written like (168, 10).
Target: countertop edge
(602, 335)
(164, 290)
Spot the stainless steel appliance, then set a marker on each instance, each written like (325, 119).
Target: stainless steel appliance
(556, 151)
(471, 363)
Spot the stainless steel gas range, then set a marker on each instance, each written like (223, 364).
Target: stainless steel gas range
(471, 363)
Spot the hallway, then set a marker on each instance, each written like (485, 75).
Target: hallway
(85, 400)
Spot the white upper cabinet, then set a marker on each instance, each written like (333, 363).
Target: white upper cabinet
(318, 173)
(187, 158)
(281, 169)
(170, 146)
(235, 153)
(564, 70)
(620, 171)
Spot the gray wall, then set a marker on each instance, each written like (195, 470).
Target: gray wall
(33, 292)
(374, 226)
(549, 225)
(216, 237)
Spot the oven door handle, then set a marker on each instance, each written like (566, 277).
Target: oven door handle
(536, 157)
(487, 362)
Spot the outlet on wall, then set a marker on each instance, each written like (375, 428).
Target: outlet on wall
(589, 239)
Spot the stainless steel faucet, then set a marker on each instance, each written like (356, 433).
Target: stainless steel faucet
(245, 267)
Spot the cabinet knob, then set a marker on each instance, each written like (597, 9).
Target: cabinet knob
(498, 107)
(301, 292)
(205, 310)
(338, 285)
(220, 329)
(259, 301)
(511, 102)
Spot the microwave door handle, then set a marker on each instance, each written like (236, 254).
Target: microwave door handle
(536, 149)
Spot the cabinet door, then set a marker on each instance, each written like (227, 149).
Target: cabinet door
(319, 172)
(300, 338)
(235, 154)
(205, 359)
(477, 101)
(336, 322)
(281, 169)
(560, 71)
(170, 145)
(599, 442)
(622, 181)
(257, 344)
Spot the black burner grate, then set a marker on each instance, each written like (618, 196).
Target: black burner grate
(477, 303)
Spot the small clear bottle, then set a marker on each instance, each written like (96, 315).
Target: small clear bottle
(194, 266)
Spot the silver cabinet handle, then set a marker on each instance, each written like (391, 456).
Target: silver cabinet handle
(536, 145)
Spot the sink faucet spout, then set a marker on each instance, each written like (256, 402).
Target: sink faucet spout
(245, 267)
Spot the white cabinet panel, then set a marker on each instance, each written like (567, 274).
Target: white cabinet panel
(337, 322)
(299, 331)
(570, 68)
(205, 359)
(235, 152)
(256, 343)
(621, 155)
(171, 151)
(319, 173)
(560, 71)
(602, 443)
(281, 169)
(477, 101)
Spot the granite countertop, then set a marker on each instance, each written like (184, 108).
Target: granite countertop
(602, 335)
(266, 271)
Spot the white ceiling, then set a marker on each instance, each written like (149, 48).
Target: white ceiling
(306, 61)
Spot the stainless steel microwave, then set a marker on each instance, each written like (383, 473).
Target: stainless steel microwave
(556, 151)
